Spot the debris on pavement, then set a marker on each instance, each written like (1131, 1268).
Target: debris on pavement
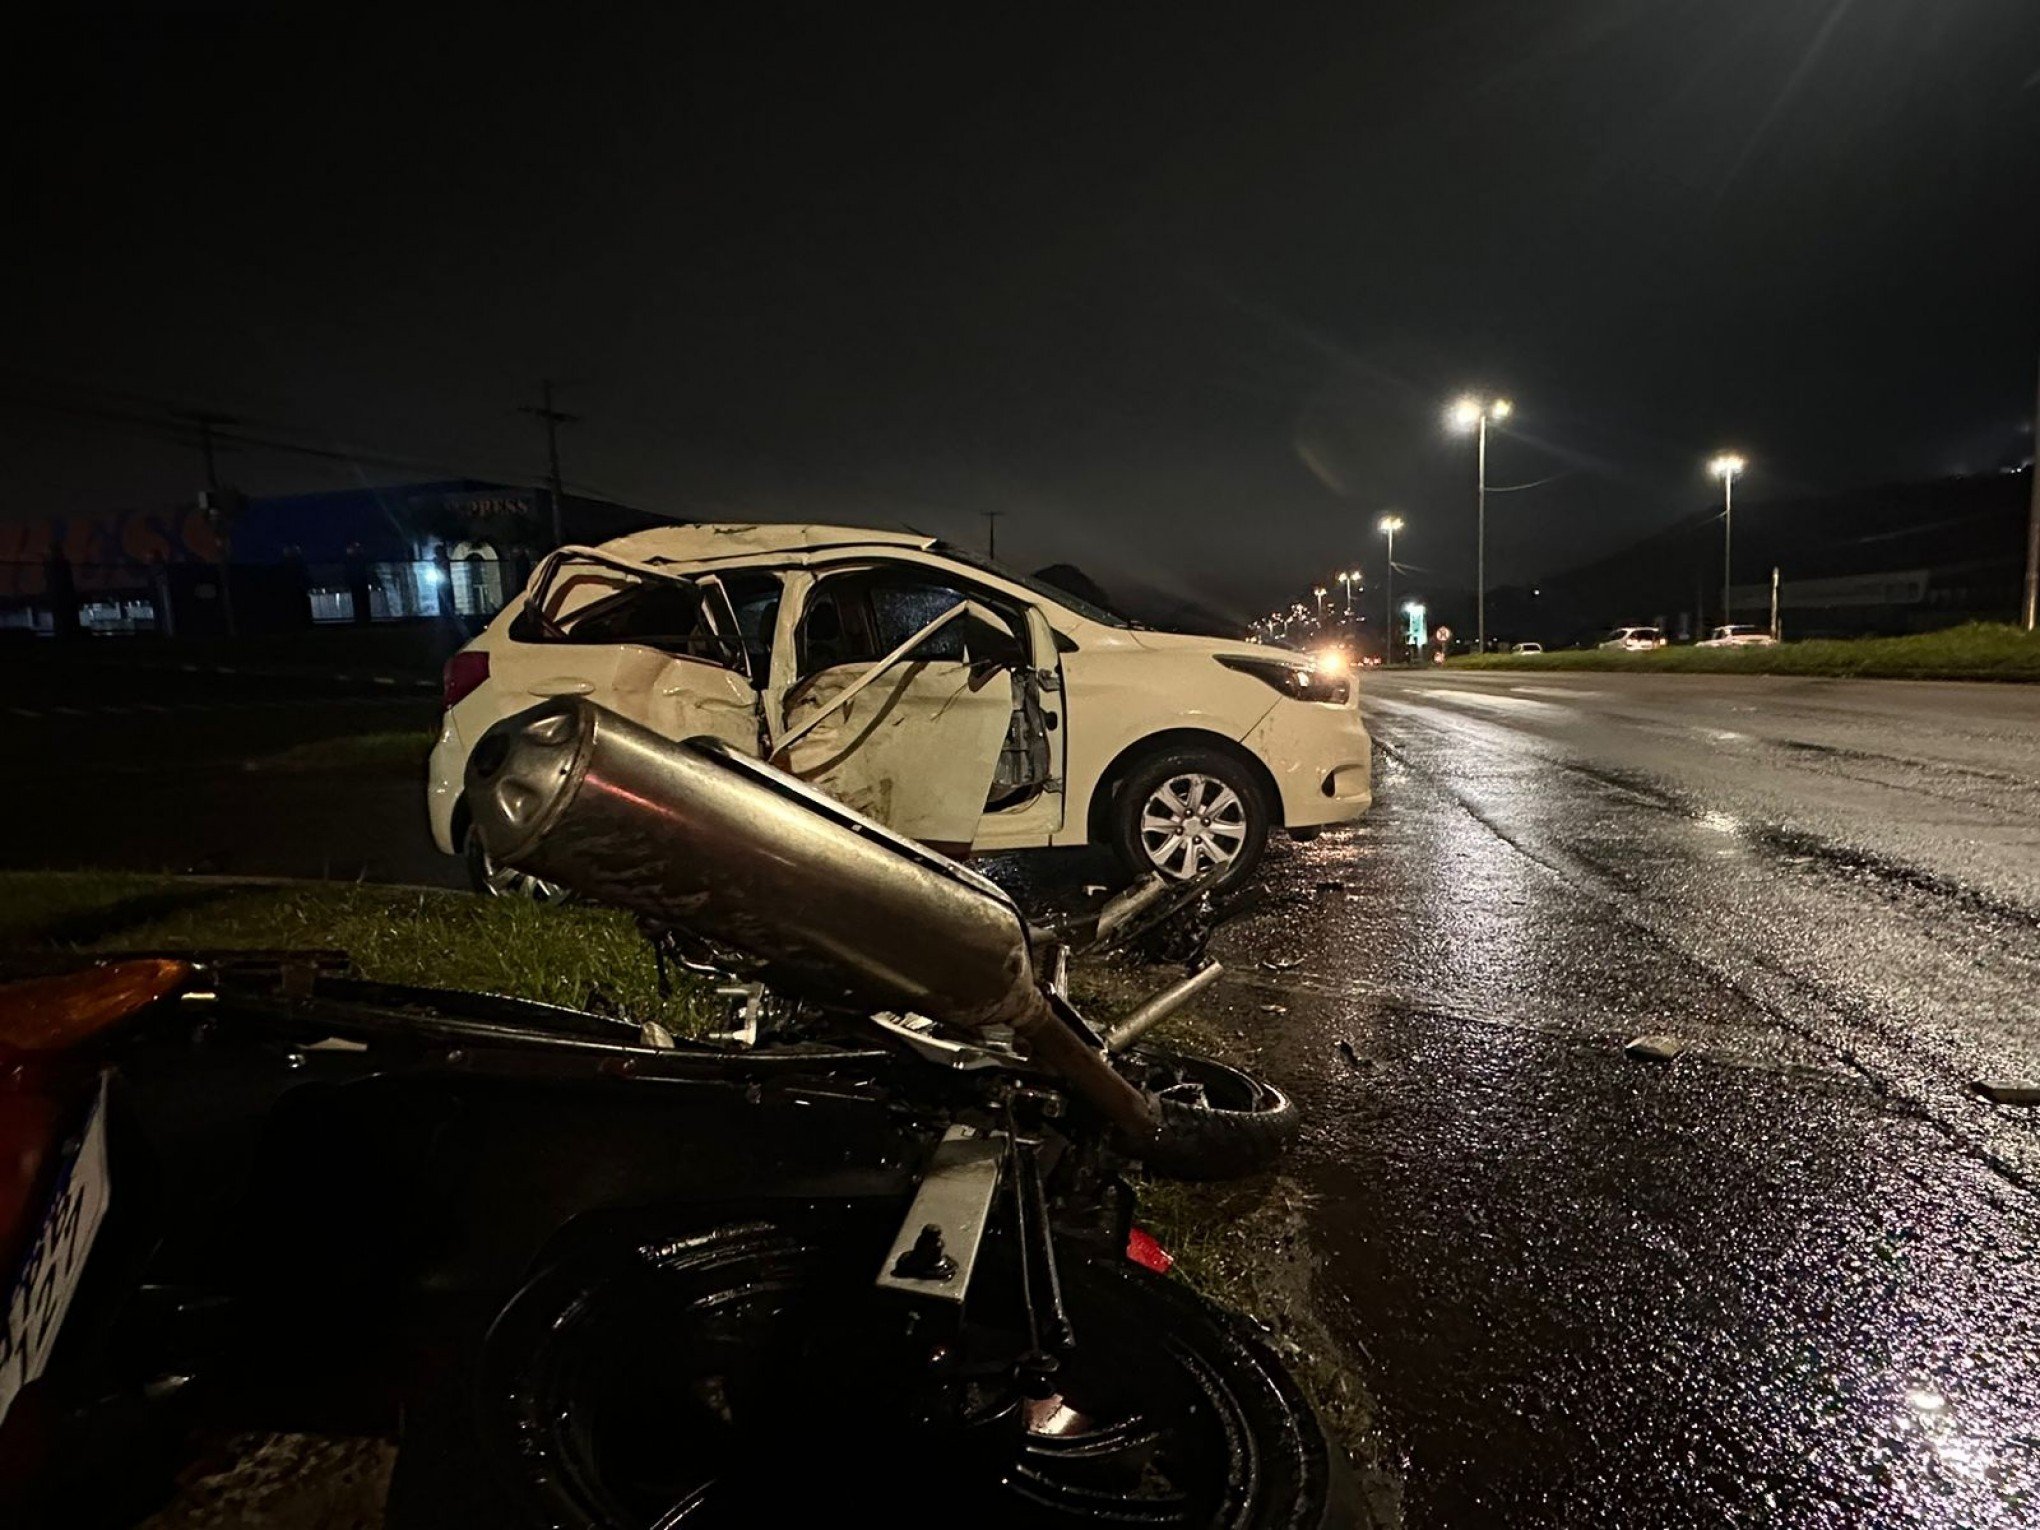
(1656, 1048)
(2000, 1093)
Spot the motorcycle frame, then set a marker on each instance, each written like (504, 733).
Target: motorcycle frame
(276, 1131)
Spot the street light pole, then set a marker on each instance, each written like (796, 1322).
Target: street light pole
(1480, 555)
(2032, 605)
(1390, 524)
(1473, 414)
(1727, 467)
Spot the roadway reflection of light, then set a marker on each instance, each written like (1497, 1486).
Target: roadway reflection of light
(1956, 1452)
(1924, 1400)
(1721, 823)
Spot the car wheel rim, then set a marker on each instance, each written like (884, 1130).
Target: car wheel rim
(507, 882)
(1191, 823)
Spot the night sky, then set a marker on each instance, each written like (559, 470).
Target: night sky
(1184, 298)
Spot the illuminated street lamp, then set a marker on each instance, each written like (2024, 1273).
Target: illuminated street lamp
(1349, 578)
(1319, 591)
(1472, 413)
(1728, 467)
(1390, 525)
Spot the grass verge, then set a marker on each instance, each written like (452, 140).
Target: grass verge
(1978, 651)
(586, 957)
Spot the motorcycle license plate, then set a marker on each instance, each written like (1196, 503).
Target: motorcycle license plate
(40, 1293)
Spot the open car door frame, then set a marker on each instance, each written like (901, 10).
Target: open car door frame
(918, 743)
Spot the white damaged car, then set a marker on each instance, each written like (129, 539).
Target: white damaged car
(952, 700)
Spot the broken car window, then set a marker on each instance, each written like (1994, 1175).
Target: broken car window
(859, 617)
(601, 603)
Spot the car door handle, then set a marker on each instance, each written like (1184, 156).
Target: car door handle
(562, 685)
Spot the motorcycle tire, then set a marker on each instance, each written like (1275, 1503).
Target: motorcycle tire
(1216, 1121)
(748, 1375)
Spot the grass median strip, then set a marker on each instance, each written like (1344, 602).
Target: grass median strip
(1978, 651)
(585, 957)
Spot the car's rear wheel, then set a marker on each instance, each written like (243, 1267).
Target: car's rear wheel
(491, 880)
(1187, 811)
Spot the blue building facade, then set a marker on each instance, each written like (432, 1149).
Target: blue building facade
(387, 552)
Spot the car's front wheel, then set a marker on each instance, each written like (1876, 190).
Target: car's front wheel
(1187, 811)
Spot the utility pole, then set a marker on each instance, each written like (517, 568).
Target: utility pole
(218, 514)
(1774, 603)
(553, 421)
(991, 531)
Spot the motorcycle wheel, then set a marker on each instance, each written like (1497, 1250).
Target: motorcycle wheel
(1215, 1121)
(751, 1375)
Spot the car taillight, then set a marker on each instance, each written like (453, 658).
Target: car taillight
(464, 671)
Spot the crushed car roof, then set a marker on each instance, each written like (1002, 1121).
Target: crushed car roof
(712, 540)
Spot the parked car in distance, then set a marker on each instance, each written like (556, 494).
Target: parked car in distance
(1634, 639)
(1528, 648)
(1738, 637)
(954, 701)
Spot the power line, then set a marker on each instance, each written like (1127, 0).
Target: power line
(181, 426)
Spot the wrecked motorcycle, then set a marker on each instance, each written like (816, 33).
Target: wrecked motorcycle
(746, 869)
(594, 1276)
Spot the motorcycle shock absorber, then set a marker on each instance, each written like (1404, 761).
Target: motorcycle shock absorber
(1048, 1324)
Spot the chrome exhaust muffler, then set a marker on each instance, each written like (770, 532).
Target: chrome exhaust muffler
(839, 909)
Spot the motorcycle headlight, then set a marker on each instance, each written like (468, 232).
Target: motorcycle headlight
(1298, 681)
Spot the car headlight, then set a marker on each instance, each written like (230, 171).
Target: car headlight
(1298, 681)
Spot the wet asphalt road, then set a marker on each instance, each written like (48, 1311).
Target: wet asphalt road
(1791, 1278)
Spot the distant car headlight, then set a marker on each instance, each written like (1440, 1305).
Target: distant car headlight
(1298, 681)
